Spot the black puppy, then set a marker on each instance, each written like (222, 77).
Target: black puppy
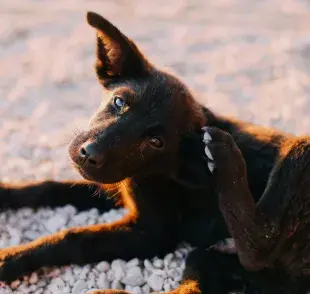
(137, 146)
(271, 238)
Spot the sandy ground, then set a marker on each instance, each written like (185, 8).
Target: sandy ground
(245, 58)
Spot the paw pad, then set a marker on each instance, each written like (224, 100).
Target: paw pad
(207, 139)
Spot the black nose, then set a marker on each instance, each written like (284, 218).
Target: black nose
(90, 155)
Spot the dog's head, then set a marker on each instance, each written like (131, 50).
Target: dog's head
(142, 117)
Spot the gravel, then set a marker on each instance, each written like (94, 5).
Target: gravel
(138, 276)
(247, 58)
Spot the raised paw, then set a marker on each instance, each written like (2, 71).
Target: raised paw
(223, 156)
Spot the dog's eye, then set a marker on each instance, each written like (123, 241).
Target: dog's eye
(119, 102)
(156, 142)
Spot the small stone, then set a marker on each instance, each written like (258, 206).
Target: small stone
(146, 273)
(167, 287)
(91, 283)
(159, 272)
(118, 263)
(32, 288)
(146, 289)
(65, 290)
(128, 288)
(79, 286)
(158, 263)
(59, 282)
(33, 279)
(178, 254)
(116, 285)
(53, 287)
(172, 273)
(132, 263)
(103, 281)
(54, 273)
(137, 290)
(168, 259)
(178, 278)
(15, 236)
(41, 284)
(173, 264)
(31, 235)
(133, 277)
(156, 282)
(118, 266)
(111, 275)
(103, 266)
(148, 264)
(55, 223)
(15, 284)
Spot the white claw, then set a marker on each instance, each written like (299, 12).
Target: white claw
(211, 166)
(208, 152)
(206, 138)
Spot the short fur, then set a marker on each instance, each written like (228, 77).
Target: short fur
(170, 194)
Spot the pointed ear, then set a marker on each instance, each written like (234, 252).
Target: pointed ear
(117, 56)
(193, 169)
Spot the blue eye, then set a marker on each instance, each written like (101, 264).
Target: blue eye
(119, 103)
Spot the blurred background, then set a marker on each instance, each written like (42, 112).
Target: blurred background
(245, 58)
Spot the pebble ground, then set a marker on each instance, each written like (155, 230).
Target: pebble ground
(244, 58)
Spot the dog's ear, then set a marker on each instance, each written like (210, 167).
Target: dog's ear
(193, 169)
(117, 56)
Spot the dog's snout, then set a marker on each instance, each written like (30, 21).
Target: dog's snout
(90, 155)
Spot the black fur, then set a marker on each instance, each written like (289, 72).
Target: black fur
(170, 194)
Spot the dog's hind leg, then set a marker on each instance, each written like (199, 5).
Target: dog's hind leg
(81, 195)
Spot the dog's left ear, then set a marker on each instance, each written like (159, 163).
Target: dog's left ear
(117, 56)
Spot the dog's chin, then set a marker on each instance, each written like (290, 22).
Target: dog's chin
(99, 176)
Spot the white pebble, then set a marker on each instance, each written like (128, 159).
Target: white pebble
(31, 235)
(173, 264)
(178, 254)
(128, 288)
(172, 273)
(158, 263)
(168, 259)
(111, 275)
(136, 290)
(167, 287)
(15, 284)
(79, 286)
(132, 263)
(55, 223)
(103, 281)
(118, 266)
(117, 263)
(160, 272)
(116, 285)
(178, 278)
(103, 266)
(146, 289)
(133, 277)
(156, 282)
(148, 264)
(33, 279)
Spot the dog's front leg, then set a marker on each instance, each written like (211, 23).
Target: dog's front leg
(123, 239)
(82, 195)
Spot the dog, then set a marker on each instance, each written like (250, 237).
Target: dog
(144, 146)
(271, 238)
